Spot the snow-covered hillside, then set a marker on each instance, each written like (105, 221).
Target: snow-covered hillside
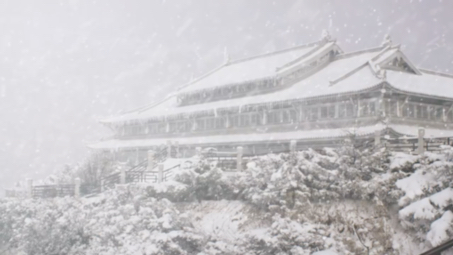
(343, 201)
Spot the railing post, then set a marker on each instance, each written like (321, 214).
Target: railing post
(151, 158)
(123, 176)
(240, 152)
(168, 149)
(160, 173)
(421, 134)
(30, 188)
(198, 151)
(377, 138)
(77, 187)
(292, 146)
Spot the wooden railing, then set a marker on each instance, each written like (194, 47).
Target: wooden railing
(50, 191)
(167, 173)
(411, 145)
(140, 176)
(227, 160)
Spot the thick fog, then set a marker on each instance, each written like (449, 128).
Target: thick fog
(66, 64)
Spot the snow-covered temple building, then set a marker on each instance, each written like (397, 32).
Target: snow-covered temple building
(316, 94)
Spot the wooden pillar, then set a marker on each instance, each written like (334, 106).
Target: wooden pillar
(151, 158)
(337, 110)
(292, 146)
(227, 121)
(358, 108)
(421, 135)
(264, 120)
(176, 149)
(240, 152)
(77, 187)
(30, 188)
(377, 138)
(160, 173)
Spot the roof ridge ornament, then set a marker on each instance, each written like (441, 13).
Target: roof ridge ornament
(387, 42)
(325, 36)
(381, 73)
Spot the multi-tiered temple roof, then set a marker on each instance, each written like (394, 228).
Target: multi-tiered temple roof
(298, 93)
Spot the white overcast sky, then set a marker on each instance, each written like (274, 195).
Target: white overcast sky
(66, 63)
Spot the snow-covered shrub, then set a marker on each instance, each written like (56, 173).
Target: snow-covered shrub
(287, 237)
(206, 182)
(172, 190)
(328, 175)
(117, 222)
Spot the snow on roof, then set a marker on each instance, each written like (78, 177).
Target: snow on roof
(239, 138)
(317, 84)
(249, 69)
(426, 83)
(349, 73)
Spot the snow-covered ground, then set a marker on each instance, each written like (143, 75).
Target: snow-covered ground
(325, 202)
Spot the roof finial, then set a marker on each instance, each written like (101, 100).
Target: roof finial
(325, 35)
(381, 73)
(387, 41)
(226, 56)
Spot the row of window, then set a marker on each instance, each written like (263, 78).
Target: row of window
(295, 115)
(419, 111)
(282, 116)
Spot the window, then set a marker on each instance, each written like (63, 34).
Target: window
(234, 121)
(173, 126)
(274, 117)
(327, 112)
(313, 113)
(409, 111)
(293, 115)
(323, 112)
(438, 113)
(200, 124)
(331, 112)
(161, 127)
(422, 111)
(364, 109)
(255, 119)
(219, 122)
(244, 120)
(393, 108)
(209, 123)
(372, 108)
(286, 118)
(346, 110)
(430, 112)
(183, 126)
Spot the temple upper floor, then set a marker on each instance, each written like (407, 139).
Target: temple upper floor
(314, 71)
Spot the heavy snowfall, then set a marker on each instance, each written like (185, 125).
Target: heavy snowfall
(65, 65)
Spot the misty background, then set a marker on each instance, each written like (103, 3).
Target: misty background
(66, 64)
